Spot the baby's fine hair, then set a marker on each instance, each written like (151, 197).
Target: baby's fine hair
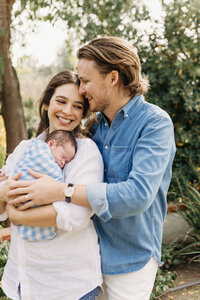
(61, 137)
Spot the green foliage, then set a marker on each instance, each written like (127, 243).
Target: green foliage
(171, 60)
(169, 256)
(4, 247)
(89, 18)
(65, 58)
(173, 255)
(192, 212)
(164, 281)
(191, 250)
(165, 278)
(2, 156)
(31, 117)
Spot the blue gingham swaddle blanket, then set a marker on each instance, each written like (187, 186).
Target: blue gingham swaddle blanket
(37, 157)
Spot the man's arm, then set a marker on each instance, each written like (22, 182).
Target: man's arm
(150, 173)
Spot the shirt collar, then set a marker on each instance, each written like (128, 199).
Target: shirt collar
(132, 104)
(43, 135)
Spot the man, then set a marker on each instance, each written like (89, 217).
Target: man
(136, 141)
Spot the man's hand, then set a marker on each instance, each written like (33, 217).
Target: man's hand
(42, 191)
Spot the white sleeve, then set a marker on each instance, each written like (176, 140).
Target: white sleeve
(14, 157)
(9, 166)
(85, 168)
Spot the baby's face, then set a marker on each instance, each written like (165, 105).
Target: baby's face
(63, 154)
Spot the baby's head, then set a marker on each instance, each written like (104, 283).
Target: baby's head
(63, 146)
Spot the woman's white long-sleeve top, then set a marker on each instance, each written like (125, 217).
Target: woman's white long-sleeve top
(68, 266)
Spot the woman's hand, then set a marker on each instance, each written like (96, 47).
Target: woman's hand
(42, 191)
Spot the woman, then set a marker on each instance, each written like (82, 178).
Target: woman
(68, 266)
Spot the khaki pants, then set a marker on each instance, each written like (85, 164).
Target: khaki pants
(131, 286)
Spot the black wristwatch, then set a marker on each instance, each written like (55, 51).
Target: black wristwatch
(69, 192)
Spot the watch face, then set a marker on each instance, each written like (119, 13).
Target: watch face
(69, 191)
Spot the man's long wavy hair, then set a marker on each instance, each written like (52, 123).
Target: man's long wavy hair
(113, 53)
(59, 79)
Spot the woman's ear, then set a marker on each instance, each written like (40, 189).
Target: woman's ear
(46, 107)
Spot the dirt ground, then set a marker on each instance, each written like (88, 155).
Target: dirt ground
(187, 273)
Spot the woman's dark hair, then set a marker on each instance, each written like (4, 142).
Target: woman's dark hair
(59, 79)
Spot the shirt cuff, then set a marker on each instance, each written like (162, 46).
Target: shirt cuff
(97, 198)
(3, 216)
(63, 215)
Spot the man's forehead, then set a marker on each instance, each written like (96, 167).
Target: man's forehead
(85, 63)
(85, 66)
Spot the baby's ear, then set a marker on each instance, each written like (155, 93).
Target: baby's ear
(51, 143)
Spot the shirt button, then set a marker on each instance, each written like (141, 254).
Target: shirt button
(126, 115)
(106, 147)
(106, 124)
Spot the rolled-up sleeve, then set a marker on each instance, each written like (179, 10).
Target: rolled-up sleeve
(96, 194)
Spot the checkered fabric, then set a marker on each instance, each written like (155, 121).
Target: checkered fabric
(37, 157)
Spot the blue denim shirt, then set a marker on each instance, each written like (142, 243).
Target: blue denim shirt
(130, 206)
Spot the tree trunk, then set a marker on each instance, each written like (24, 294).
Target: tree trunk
(10, 97)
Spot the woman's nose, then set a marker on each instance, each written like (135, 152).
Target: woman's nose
(67, 108)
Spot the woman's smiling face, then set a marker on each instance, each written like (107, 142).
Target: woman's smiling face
(65, 109)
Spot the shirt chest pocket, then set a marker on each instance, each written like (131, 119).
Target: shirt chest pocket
(120, 161)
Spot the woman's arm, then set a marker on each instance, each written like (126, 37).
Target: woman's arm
(39, 216)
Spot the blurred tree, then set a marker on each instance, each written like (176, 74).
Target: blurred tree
(65, 57)
(10, 99)
(32, 117)
(90, 18)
